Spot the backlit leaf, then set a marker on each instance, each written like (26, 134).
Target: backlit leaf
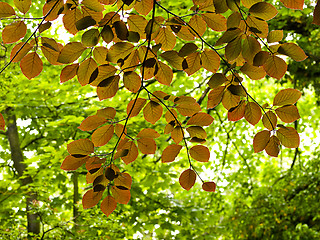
(173, 59)
(258, 26)
(132, 81)
(166, 38)
(22, 5)
(187, 49)
(236, 113)
(197, 132)
(72, 163)
(233, 49)
(85, 70)
(31, 65)
(170, 153)
(55, 12)
(107, 113)
(90, 38)
(71, 52)
(269, 120)
(193, 62)
(288, 137)
(252, 113)
(108, 205)
(121, 196)
(263, 10)
(137, 24)
(293, 4)
(209, 186)
(100, 54)
(91, 198)
(119, 51)
(81, 146)
(135, 106)
(215, 21)
(102, 135)
(217, 80)
(187, 179)
(200, 153)
(198, 25)
(68, 72)
(273, 147)
(250, 47)
(187, 109)
(275, 36)
(288, 113)
(92, 122)
(230, 100)
(6, 10)
(286, 97)
(210, 60)
(164, 74)
(93, 5)
(108, 87)
(148, 133)
(275, 67)
(200, 119)
(13, 32)
(261, 140)
(121, 30)
(215, 97)
(120, 130)
(253, 72)
(124, 179)
(316, 14)
(147, 145)
(292, 50)
(132, 152)
(26, 48)
(152, 112)
(177, 134)
(72, 17)
(144, 6)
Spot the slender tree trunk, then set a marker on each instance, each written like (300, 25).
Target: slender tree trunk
(75, 198)
(17, 158)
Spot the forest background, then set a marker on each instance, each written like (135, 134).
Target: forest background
(257, 196)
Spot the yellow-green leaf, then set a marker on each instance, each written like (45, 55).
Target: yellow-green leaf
(71, 52)
(286, 97)
(22, 5)
(269, 120)
(263, 10)
(288, 113)
(288, 137)
(292, 50)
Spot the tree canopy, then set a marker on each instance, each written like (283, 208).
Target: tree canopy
(155, 96)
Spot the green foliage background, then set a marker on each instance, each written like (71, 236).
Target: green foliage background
(257, 197)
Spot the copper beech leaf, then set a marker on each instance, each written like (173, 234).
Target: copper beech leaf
(293, 4)
(144, 6)
(238, 112)
(215, 96)
(275, 67)
(288, 113)
(210, 60)
(132, 81)
(187, 109)
(286, 97)
(123, 179)
(263, 10)
(108, 205)
(81, 146)
(69, 72)
(252, 113)
(269, 120)
(147, 145)
(197, 132)
(275, 36)
(108, 87)
(148, 133)
(209, 186)
(132, 152)
(316, 14)
(6, 10)
(200, 153)
(152, 112)
(215, 21)
(102, 135)
(121, 196)
(288, 137)
(261, 140)
(22, 5)
(31, 65)
(71, 52)
(135, 106)
(92, 122)
(71, 163)
(16, 57)
(164, 74)
(91, 198)
(200, 119)
(292, 50)
(177, 134)
(273, 147)
(187, 179)
(170, 153)
(85, 70)
(13, 32)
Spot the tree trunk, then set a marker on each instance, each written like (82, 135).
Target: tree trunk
(17, 158)
(75, 198)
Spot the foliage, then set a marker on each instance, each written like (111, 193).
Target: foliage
(144, 46)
